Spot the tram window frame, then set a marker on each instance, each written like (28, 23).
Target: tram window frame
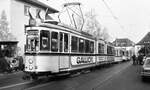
(66, 42)
(91, 47)
(61, 38)
(54, 41)
(44, 40)
(81, 45)
(74, 44)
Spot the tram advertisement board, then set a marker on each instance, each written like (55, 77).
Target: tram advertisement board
(100, 58)
(79, 60)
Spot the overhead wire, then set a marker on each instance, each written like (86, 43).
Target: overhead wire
(113, 15)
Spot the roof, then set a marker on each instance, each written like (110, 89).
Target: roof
(123, 42)
(40, 4)
(145, 40)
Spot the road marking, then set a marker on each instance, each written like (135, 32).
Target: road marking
(13, 85)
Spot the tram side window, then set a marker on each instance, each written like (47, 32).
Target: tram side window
(54, 41)
(91, 47)
(117, 53)
(45, 40)
(113, 50)
(74, 44)
(81, 45)
(109, 50)
(87, 46)
(100, 48)
(66, 42)
(60, 42)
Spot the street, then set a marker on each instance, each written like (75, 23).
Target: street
(123, 76)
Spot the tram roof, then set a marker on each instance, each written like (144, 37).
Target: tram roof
(66, 28)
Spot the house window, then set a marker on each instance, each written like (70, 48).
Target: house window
(26, 10)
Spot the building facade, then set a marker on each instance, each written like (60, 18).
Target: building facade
(19, 12)
(125, 45)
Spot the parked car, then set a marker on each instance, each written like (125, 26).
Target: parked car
(145, 72)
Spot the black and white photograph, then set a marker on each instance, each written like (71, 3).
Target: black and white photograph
(74, 44)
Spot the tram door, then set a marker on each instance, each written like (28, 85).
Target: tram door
(64, 50)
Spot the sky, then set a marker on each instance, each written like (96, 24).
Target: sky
(132, 16)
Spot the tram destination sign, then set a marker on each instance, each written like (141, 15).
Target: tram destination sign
(32, 32)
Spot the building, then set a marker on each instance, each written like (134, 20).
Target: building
(18, 14)
(144, 44)
(123, 42)
(125, 45)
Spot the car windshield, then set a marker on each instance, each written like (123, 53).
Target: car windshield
(147, 62)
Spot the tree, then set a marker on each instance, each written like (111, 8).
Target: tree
(93, 27)
(4, 30)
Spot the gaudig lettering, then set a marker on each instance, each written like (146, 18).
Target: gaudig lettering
(84, 60)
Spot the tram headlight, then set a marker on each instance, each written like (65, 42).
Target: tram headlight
(30, 61)
(30, 67)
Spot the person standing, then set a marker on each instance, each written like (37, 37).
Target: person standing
(140, 59)
(134, 59)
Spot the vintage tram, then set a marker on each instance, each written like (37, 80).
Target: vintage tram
(55, 48)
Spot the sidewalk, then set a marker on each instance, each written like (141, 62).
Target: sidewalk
(11, 75)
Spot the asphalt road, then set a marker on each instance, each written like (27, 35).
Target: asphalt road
(124, 76)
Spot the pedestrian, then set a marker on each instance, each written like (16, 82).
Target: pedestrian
(134, 59)
(140, 59)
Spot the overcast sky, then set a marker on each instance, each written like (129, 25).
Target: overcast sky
(133, 16)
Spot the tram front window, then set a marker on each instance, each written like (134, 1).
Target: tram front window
(32, 43)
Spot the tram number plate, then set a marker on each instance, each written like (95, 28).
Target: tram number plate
(78, 60)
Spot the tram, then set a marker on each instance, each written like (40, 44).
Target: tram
(52, 48)
(118, 54)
